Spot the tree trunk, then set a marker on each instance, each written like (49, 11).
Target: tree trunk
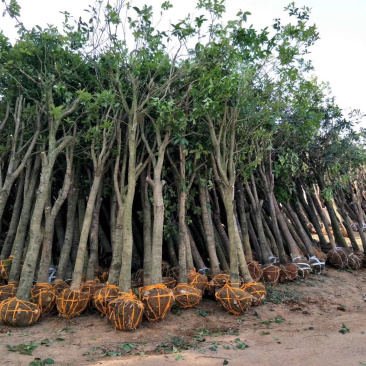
(209, 231)
(21, 234)
(93, 256)
(8, 243)
(82, 249)
(243, 221)
(70, 225)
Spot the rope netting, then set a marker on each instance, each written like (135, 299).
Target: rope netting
(127, 313)
(103, 296)
(59, 285)
(158, 300)
(288, 272)
(19, 313)
(8, 291)
(187, 296)
(169, 282)
(271, 274)
(257, 290)
(338, 258)
(71, 303)
(43, 295)
(233, 299)
(198, 280)
(255, 270)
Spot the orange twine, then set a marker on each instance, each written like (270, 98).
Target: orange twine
(121, 313)
(229, 296)
(20, 306)
(144, 294)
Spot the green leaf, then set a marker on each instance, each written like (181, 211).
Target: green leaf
(226, 362)
(49, 361)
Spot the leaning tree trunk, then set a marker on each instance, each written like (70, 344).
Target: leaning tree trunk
(93, 249)
(333, 218)
(209, 231)
(21, 234)
(51, 213)
(70, 217)
(8, 243)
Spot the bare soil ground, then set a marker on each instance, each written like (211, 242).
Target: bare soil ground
(318, 321)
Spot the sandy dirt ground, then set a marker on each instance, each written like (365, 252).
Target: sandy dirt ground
(318, 321)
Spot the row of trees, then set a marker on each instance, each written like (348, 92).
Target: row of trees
(207, 144)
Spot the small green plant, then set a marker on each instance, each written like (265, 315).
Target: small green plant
(239, 344)
(344, 329)
(23, 349)
(38, 362)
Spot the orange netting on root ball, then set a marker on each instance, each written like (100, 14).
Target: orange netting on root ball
(19, 313)
(271, 274)
(234, 300)
(169, 282)
(127, 313)
(186, 295)
(44, 295)
(59, 285)
(91, 287)
(71, 303)
(158, 300)
(257, 290)
(8, 291)
(120, 296)
(197, 280)
(218, 282)
(255, 270)
(288, 272)
(103, 296)
(338, 258)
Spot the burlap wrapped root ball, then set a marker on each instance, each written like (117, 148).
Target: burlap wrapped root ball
(71, 303)
(43, 295)
(5, 266)
(59, 285)
(187, 296)
(256, 290)
(91, 287)
(173, 272)
(354, 262)
(271, 274)
(126, 314)
(157, 299)
(103, 296)
(8, 291)
(165, 269)
(138, 277)
(19, 313)
(338, 258)
(255, 271)
(288, 272)
(218, 282)
(317, 266)
(303, 267)
(120, 296)
(234, 300)
(169, 282)
(197, 280)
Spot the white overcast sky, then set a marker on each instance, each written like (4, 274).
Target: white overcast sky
(339, 56)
